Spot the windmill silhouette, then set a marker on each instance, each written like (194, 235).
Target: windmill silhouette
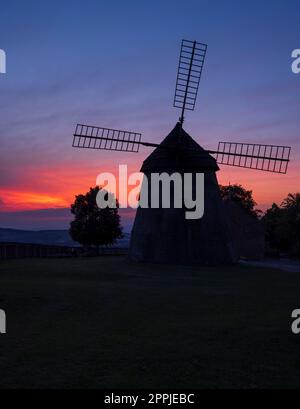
(164, 235)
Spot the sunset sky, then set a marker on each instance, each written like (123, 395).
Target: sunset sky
(114, 64)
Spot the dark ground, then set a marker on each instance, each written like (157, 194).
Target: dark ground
(103, 322)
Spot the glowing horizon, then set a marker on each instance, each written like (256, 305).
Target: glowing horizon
(263, 192)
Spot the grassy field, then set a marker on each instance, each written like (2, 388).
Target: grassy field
(104, 322)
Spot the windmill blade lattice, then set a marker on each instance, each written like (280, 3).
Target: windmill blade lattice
(191, 60)
(95, 137)
(269, 158)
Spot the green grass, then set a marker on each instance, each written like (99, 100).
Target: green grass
(104, 322)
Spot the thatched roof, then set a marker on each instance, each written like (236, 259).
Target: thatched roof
(179, 152)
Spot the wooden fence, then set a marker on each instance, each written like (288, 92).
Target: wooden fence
(26, 250)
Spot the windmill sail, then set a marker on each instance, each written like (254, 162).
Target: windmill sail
(191, 60)
(269, 158)
(95, 137)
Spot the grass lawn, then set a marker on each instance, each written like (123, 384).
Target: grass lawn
(106, 323)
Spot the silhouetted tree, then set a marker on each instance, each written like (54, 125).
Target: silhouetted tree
(92, 225)
(273, 222)
(283, 225)
(240, 195)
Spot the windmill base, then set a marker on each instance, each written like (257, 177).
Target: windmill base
(166, 236)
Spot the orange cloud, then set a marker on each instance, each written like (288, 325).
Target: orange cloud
(15, 200)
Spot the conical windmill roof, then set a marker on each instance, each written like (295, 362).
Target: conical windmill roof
(179, 152)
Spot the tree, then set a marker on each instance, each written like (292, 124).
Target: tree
(291, 207)
(240, 195)
(283, 225)
(93, 226)
(272, 220)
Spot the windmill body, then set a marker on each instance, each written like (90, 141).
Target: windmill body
(164, 235)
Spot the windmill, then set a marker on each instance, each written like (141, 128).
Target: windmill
(164, 235)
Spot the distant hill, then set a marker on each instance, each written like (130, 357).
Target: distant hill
(50, 237)
(58, 237)
(51, 219)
